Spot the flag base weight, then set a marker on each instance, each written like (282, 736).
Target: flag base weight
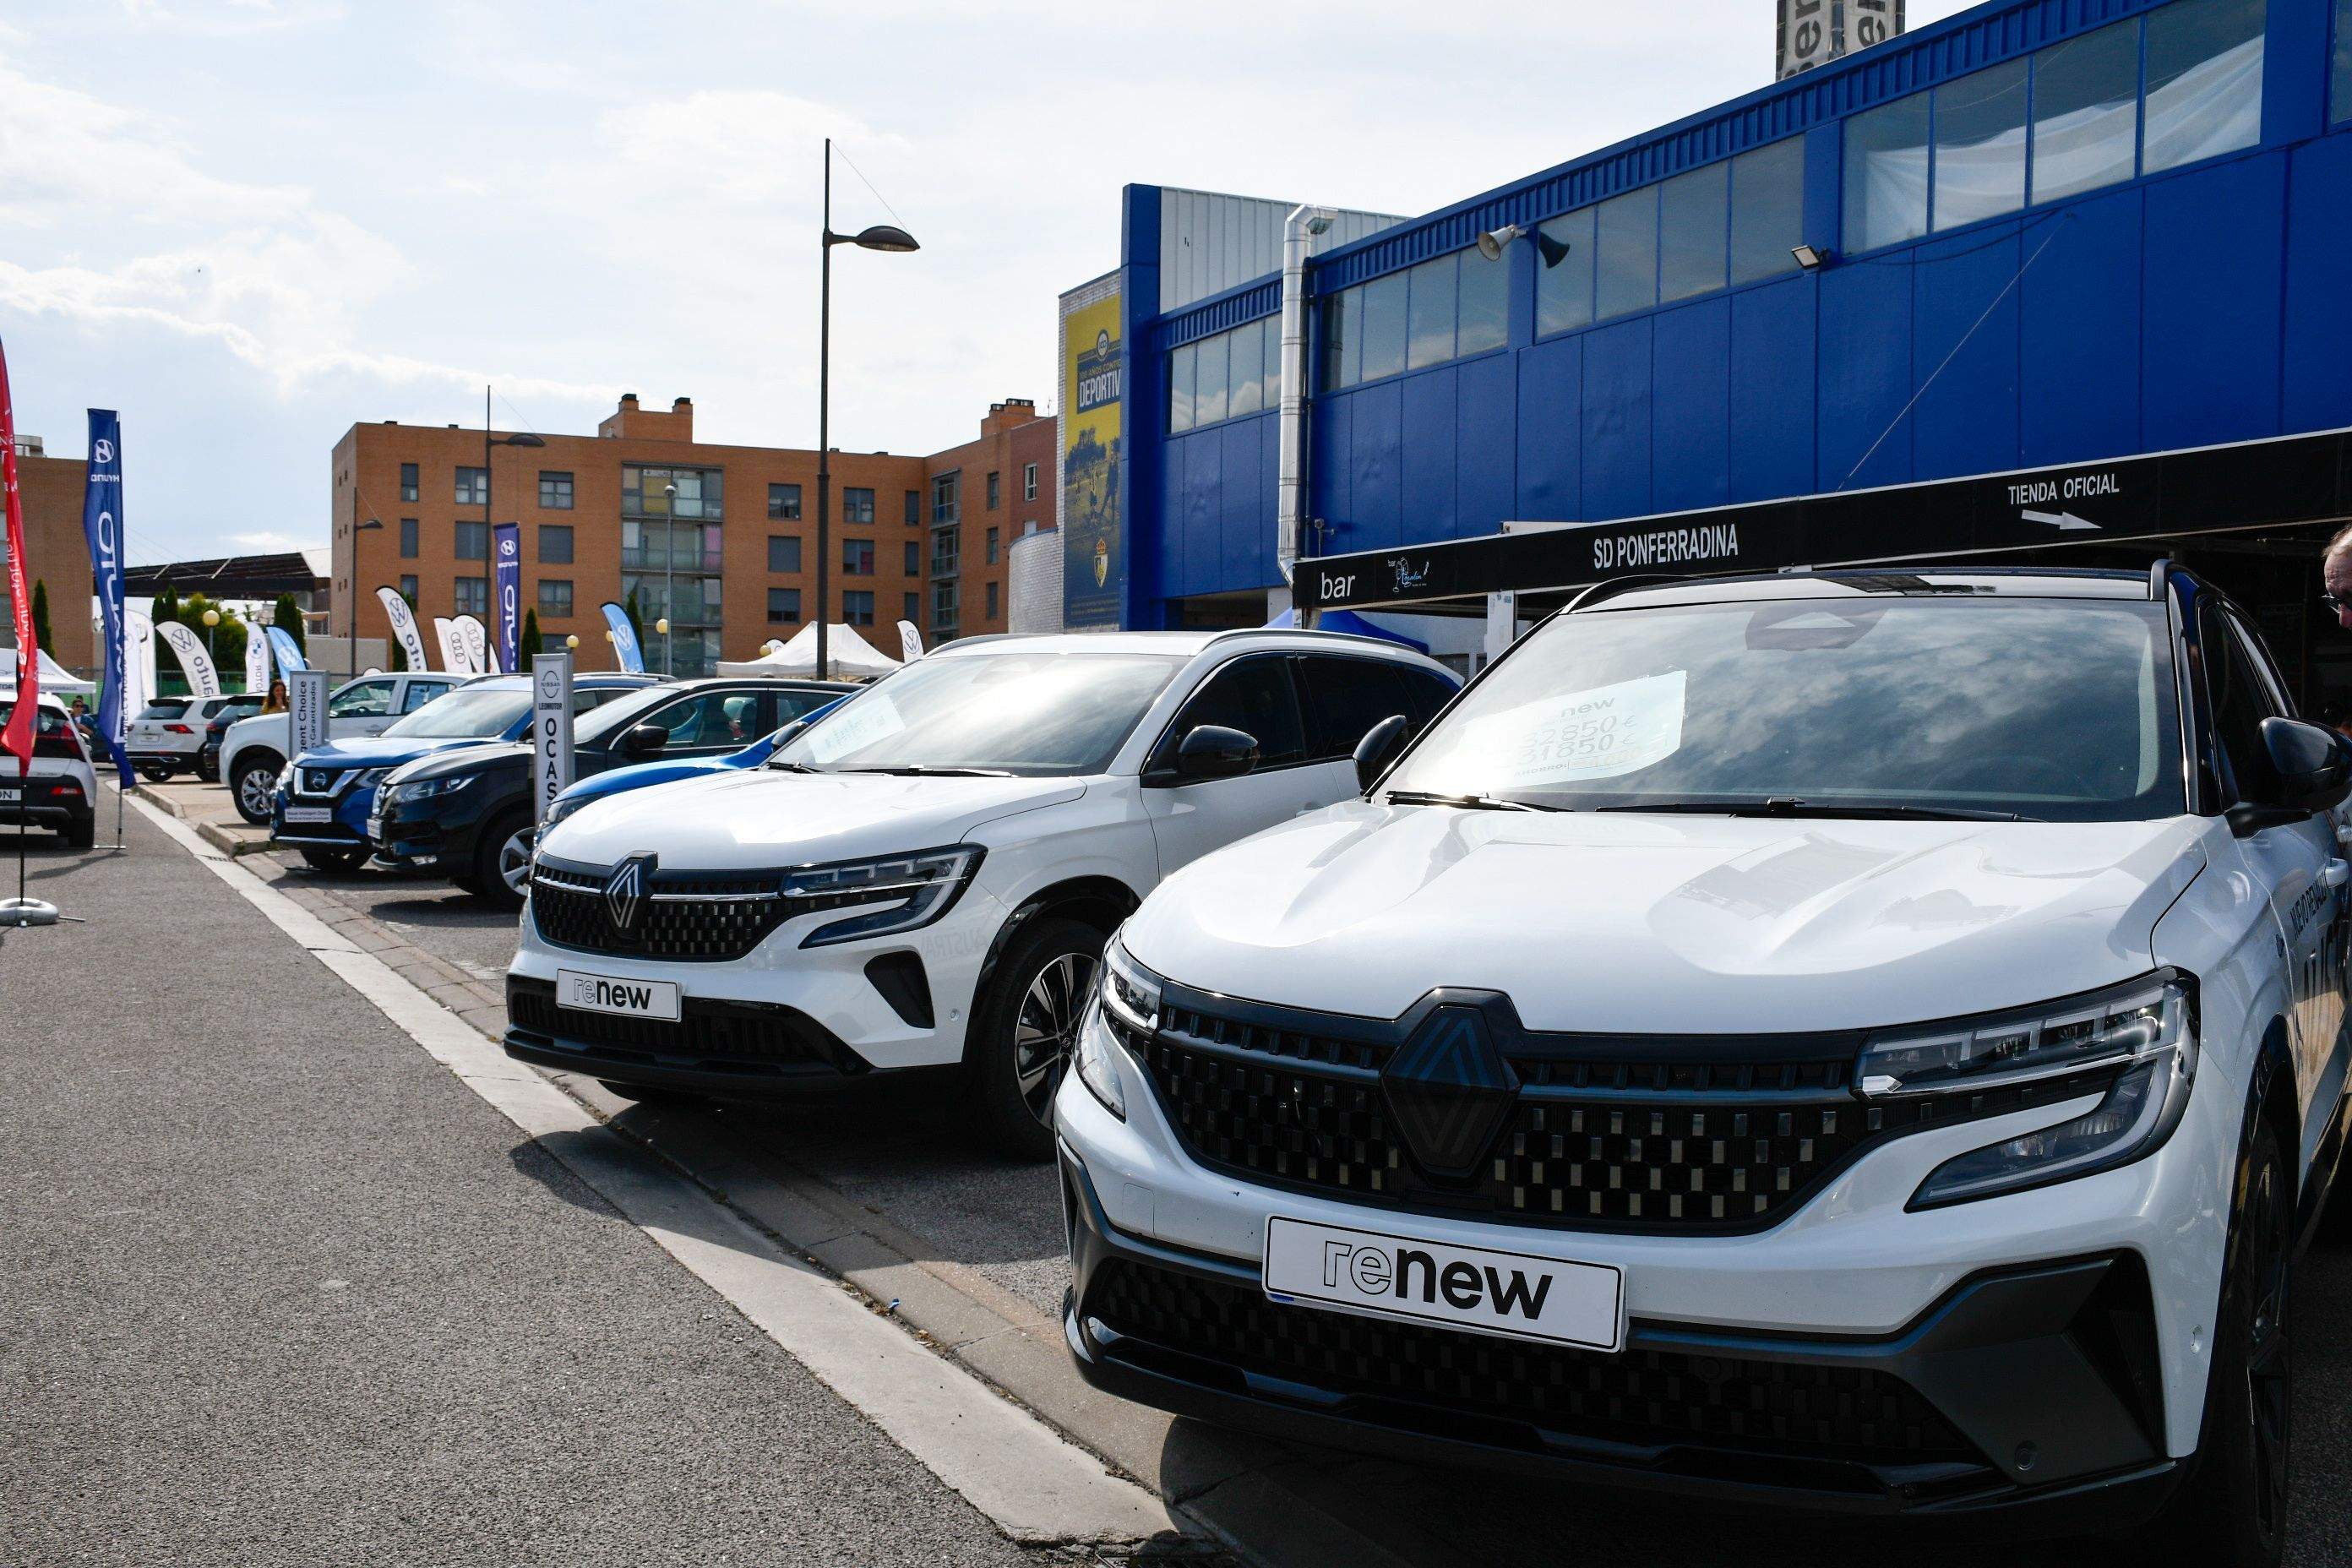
(16, 912)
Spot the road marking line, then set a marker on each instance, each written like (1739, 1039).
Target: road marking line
(1034, 1485)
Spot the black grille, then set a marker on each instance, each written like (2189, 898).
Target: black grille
(1621, 1143)
(709, 1033)
(691, 917)
(1651, 1398)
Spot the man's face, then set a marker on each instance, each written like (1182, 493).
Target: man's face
(2338, 572)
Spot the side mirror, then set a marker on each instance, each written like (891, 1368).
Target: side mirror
(644, 740)
(1379, 748)
(1214, 752)
(2310, 770)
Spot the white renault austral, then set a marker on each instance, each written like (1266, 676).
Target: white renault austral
(1874, 1042)
(927, 876)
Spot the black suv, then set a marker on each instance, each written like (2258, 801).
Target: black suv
(467, 813)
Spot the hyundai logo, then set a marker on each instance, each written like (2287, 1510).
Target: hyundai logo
(625, 891)
(101, 452)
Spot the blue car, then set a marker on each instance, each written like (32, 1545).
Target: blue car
(326, 793)
(639, 775)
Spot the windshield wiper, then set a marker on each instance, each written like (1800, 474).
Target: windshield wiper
(933, 770)
(1789, 806)
(1466, 801)
(783, 767)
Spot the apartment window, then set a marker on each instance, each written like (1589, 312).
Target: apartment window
(914, 558)
(1980, 145)
(1886, 173)
(2341, 95)
(2086, 112)
(944, 606)
(1693, 212)
(992, 600)
(946, 550)
(857, 558)
(472, 596)
(408, 590)
(1564, 273)
(408, 539)
(473, 487)
(914, 608)
(1768, 210)
(857, 607)
(473, 542)
(783, 553)
(914, 509)
(1625, 253)
(648, 492)
(857, 505)
(555, 491)
(1029, 471)
(784, 502)
(2204, 80)
(784, 605)
(555, 598)
(946, 506)
(995, 498)
(992, 546)
(690, 546)
(408, 481)
(555, 544)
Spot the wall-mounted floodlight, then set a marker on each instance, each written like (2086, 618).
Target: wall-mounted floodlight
(1810, 257)
(1491, 243)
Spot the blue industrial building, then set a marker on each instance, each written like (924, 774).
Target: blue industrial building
(2038, 233)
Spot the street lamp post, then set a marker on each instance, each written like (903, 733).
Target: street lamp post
(351, 644)
(211, 619)
(670, 560)
(520, 438)
(879, 236)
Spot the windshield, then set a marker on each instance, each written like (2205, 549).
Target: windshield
(465, 715)
(164, 710)
(2059, 709)
(1034, 713)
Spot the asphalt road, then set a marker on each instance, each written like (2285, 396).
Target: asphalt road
(276, 1287)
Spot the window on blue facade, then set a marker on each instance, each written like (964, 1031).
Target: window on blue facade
(2086, 112)
(1248, 373)
(1183, 368)
(2204, 80)
(1691, 219)
(1384, 326)
(1980, 145)
(1886, 175)
(1343, 339)
(1209, 387)
(1564, 274)
(1273, 325)
(2342, 94)
(1485, 319)
(1429, 338)
(1768, 210)
(1625, 253)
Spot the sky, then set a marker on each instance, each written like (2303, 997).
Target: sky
(246, 224)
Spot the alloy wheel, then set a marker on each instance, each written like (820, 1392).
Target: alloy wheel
(1046, 1028)
(514, 861)
(257, 793)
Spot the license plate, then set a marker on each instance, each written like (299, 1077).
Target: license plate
(375, 827)
(1513, 1294)
(604, 993)
(10, 792)
(310, 814)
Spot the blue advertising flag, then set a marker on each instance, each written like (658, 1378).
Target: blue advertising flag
(625, 639)
(506, 552)
(101, 524)
(281, 643)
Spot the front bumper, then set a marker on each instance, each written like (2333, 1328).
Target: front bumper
(440, 831)
(2028, 1391)
(345, 828)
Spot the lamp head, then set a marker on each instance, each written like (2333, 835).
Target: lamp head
(1491, 243)
(1812, 259)
(883, 237)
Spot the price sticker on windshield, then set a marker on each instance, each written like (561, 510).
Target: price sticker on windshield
(1600, 733)
(858, 724)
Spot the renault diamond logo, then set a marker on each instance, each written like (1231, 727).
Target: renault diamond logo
(624, 893)
(1450, 1090)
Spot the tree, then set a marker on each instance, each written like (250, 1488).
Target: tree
(532, 645)
(637, 621)
(287, 615)
(166, 605)
(41, 637)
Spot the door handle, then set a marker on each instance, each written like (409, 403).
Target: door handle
(2334, 874)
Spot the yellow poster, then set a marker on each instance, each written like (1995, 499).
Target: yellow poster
(1094, 567)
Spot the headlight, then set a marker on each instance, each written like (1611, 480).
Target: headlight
(369, 778)
(559, 808)
(1124, 1008)
(286, 776)
(2144, 1034)
(1093, 1061)
(915, 889)
(426, 789)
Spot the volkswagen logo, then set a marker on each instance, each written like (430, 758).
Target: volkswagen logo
(625, 891)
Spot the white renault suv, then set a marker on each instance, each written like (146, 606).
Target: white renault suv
(927, 875)
(1869, 1041)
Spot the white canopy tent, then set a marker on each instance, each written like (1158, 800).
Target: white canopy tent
(53, 675)
(851, 657)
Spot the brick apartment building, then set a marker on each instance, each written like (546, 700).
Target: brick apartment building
(913, 538)
(56, 554)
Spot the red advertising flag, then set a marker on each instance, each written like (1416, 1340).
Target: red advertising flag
(17, 738)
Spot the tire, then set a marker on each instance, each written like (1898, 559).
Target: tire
(501, 861)
(1023, 1030)
(334, 860)
(81, 833)
(254, 789)
(2231, 1511)
(154, 774)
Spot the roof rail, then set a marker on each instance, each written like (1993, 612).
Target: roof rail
(1287, 631)
(2158, 575)
(1609, 586)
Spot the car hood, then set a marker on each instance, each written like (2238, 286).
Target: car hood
(464, 757)
(638, 775)
(1669, 924)
(756, 818)
(376, 752)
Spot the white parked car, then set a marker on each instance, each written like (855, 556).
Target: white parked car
(1871, 1041)
(60, 793)
(926, 877)
(257, 749)
(168, 734)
